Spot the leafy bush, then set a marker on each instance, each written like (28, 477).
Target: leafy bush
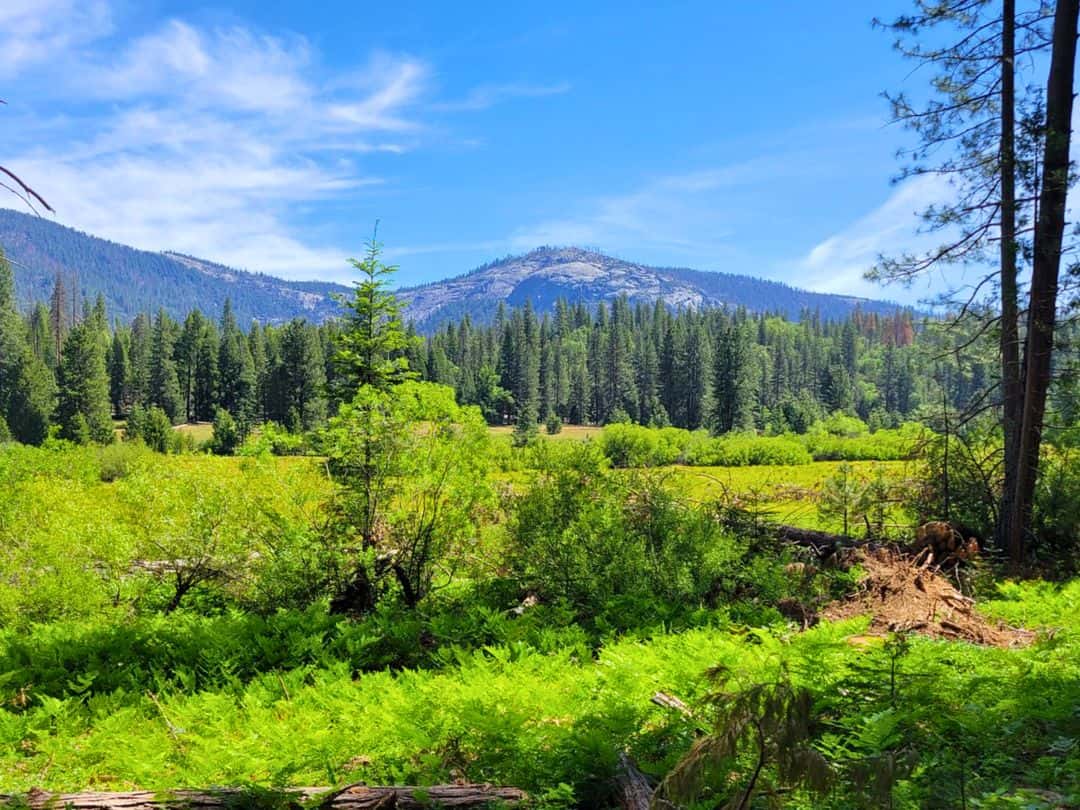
(839, 423)
(119, 460)
(273, 439)
(227, 434)
(744, 450)
(883, 445)
(594, 539)
(629, 445)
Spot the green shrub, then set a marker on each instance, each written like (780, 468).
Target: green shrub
(629, 445)
(273, 439)
(744, 450)
(553, 425)
(598, 540)
(227, 434)
(121, 459)
(882, 445)
(839, 423)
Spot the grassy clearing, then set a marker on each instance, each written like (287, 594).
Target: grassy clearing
(788, 494)
(198, 431)
(568, 432)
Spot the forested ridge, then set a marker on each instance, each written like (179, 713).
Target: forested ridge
(546, 275)
(134, 281)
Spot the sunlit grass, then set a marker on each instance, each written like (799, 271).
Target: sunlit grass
(579, 432)
(199, 431)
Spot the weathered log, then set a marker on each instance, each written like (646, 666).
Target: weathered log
(807, 537)
(635, 789)
(825, 544)
(353, 797)
(664, 700)
(822, 543)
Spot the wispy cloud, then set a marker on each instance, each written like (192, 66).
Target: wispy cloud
(208, 140)
(838, 263)
(231, 69)
(691, 216)
(488, 95)
(389, 86)
(202, 140)
(33, 32)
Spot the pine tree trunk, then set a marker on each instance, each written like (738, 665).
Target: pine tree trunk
(1042, 309)
(1011, 387)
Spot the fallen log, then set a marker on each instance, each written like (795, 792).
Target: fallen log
(812, 538)
(353, 797)
(823, 544)
(666, 701)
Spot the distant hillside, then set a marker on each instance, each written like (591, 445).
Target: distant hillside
(134, 281)
(547, 274)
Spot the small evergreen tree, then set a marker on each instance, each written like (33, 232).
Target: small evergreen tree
(83, 410)
(526, 428)
(157, 430)
(372, 347)
(553, 424)
(164, 391)
(119, 375)
(227, 436)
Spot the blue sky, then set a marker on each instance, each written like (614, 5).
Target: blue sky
(744, 137)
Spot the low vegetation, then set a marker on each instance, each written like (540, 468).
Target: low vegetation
(168, 614)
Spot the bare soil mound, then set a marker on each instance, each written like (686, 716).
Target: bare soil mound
(902, 594)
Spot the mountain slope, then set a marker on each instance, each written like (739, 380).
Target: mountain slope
(134, 281)
(547, 274)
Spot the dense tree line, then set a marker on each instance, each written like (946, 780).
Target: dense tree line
(713, 368)
(66, 366)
